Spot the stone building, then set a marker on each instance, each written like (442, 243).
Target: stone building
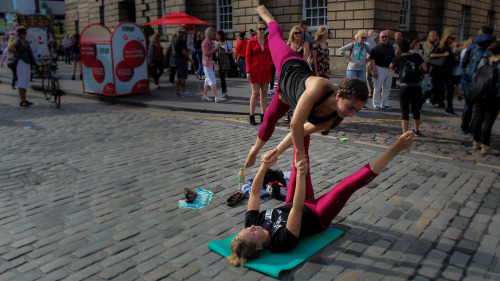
(342, 18)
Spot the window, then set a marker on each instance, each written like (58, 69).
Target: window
(404, 15)
(225, 15)
(315, 13)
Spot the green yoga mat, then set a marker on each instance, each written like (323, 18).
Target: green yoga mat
(275, 264)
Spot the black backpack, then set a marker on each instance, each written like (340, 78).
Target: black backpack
(411, 72)
(484, 81)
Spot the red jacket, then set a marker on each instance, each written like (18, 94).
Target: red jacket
(256, 59)
(241, 48)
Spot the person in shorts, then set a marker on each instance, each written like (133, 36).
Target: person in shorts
(181, 61)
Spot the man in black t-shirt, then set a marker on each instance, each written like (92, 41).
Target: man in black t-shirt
(181, 62)
(382, 55)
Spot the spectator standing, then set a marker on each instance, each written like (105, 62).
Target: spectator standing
(410, 89)
(3, 44)
(75, 50)
(470, 61)
(8, 57)
(382, 56)
(416, 48)
(208, 49)
(181, 62)
(397, 36)
(200, 36)
(258, 66)
(225, 49)
(309, 39)
(170, 56)
(241, 52)
(372, 40)
(24, 56)
(486, 108)
(156, 58)
(68, 45)
(358, 56)
(442, 79)
(321, 54)
(430, 44)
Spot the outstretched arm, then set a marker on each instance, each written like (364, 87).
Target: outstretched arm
(299, 197)
(404, 142)
(264, 14)
(258, 181)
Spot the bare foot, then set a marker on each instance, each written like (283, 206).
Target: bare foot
(264, 13)
(252, 156)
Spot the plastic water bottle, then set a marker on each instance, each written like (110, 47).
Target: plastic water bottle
(241, 179)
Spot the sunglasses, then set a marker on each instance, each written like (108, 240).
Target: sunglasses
(384, 36)
(363, 38)
(297, 33)
(261, 29)
(453, 38)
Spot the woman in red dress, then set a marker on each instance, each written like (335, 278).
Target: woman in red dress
(258, 66)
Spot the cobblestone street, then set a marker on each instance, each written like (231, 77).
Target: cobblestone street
(90, 192)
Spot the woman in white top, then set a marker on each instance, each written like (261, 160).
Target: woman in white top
(358, 56)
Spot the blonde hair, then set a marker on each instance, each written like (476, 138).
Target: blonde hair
(155, 37)
(361, 32)
(428, 41)
(446, 34)
(242, 251)
(466, 43)
(290, 37)
(198, 35)
(320, 34)
(259, 23)
(210, 33)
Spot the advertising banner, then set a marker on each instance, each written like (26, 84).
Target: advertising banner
(130, 64)
(37, 38)
(97, 68)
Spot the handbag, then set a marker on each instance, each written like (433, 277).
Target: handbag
(437, 62)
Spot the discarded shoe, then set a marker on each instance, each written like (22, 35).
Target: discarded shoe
(190, 195)
(234, 199)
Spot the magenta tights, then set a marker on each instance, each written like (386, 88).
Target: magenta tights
(327, 206)
(280, 52)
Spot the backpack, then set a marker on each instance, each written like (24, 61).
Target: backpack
(411, 72)
(484, 82)
(478, 54)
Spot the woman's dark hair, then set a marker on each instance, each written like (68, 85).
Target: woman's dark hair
(353, 89)
(222, 35)
(76, 36)
(404, 45)
(495, 47)
(242, 34)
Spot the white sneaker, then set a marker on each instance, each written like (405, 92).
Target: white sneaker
(205, 98)
(224, 95)
(219, 99)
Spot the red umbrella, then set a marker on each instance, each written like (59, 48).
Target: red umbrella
(178, 19)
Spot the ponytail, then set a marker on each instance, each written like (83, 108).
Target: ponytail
(242, 251)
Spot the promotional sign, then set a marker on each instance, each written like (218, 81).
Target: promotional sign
(95, 55)
(37, 38)
(130, 63)
(97, 68)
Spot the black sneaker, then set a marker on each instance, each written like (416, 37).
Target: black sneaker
(450, 112)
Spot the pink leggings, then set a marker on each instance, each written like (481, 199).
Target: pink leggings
(327, 206)
(280, 52)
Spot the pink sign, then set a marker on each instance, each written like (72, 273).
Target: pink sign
(98, 71)
(124, 72)
(134, 53)
(88, 54)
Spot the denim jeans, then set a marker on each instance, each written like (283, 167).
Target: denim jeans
(361, 74)
(243, 67)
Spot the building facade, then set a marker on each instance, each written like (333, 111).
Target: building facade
(342, 18)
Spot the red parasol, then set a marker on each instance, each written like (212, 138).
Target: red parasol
(178, 19)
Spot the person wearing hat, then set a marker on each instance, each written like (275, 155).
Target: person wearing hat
(181, 61)
(24, 58)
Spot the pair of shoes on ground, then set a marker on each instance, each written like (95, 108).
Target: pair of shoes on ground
(466, 133)
(224, 95)
(190, 195)
(485, 149)
(183, 94)
(386, 107)
(25, 103)
(217, 99)
(450, 112)
(417, 133)
(235, 198)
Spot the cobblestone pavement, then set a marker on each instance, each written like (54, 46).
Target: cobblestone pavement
(89, 192)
